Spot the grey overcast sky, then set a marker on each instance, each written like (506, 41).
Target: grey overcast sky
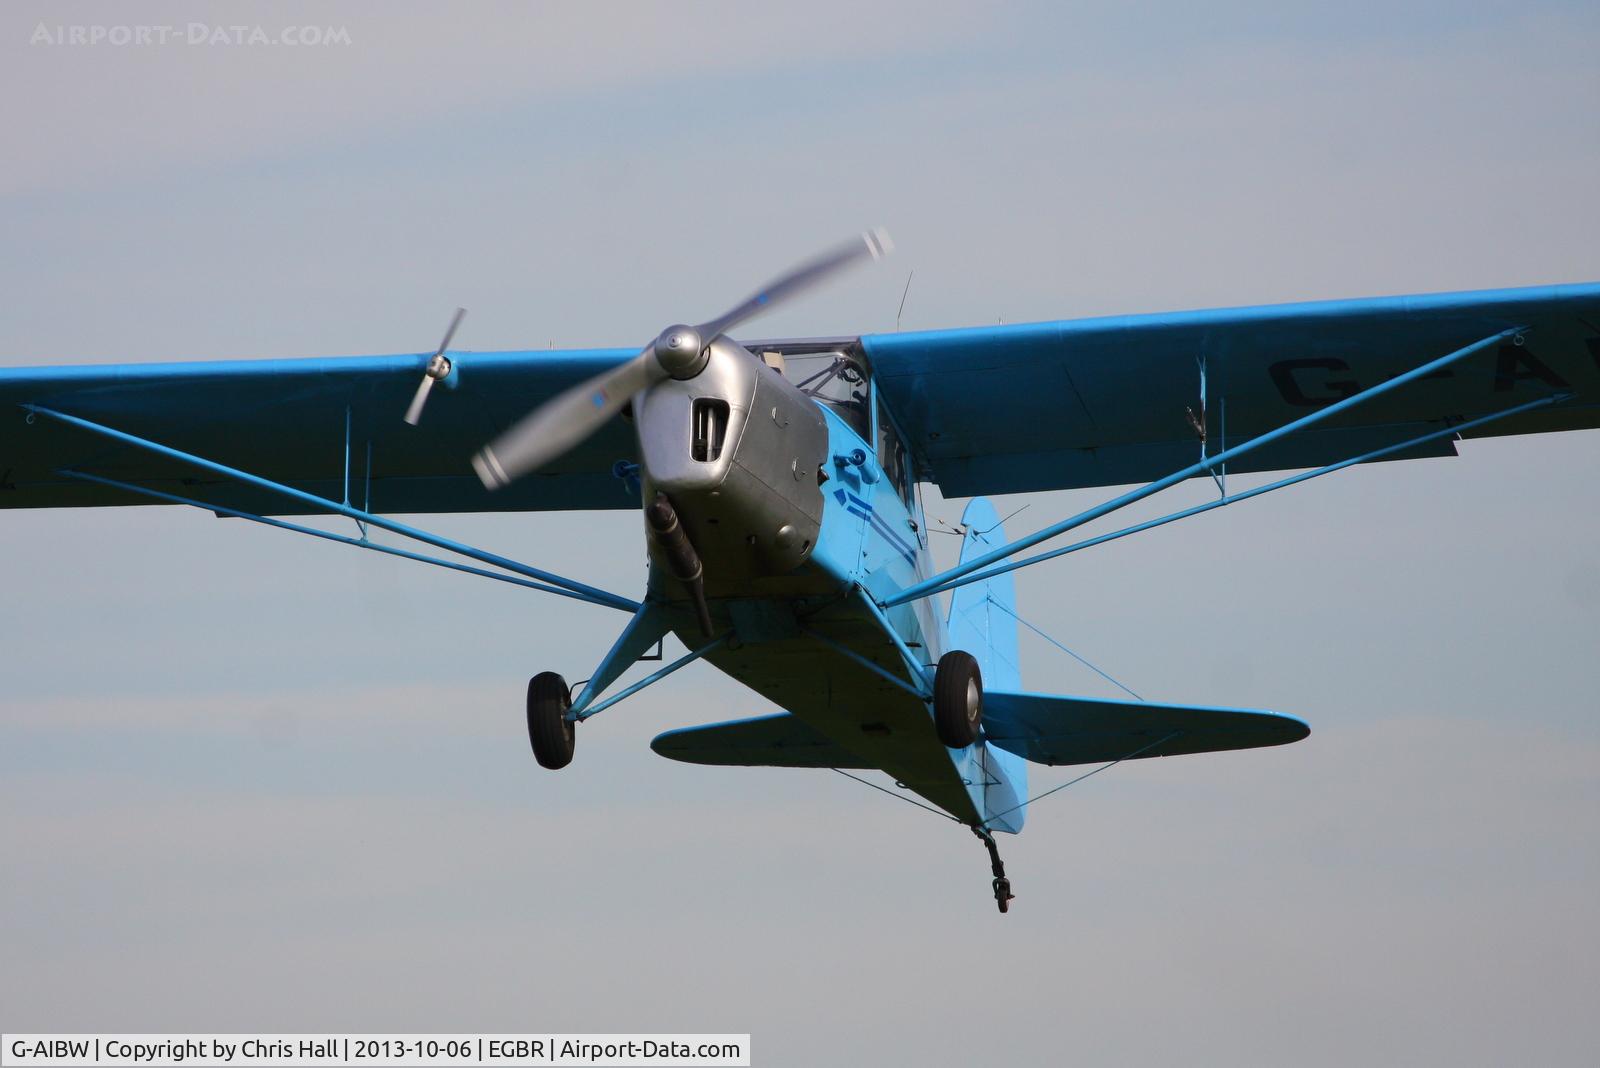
(252, 784)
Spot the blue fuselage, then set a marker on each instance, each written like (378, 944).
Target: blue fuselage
(815, 642)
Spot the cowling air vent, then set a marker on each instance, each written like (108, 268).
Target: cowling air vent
(708, 428)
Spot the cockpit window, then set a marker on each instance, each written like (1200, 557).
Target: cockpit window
(834, 379)
(892, 456)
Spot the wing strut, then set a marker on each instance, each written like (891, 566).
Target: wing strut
(1282, 483)
(343, 539)
(973, 570)
(568, 587)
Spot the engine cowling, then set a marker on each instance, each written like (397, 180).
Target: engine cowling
(737, 449)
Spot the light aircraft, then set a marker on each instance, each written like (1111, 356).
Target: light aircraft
(779, 484)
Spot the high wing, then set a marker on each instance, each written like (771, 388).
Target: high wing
(1096, 402)
(988, 410)
(304, 422)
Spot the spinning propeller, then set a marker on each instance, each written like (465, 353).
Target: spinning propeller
(677, 352)
(438, 368)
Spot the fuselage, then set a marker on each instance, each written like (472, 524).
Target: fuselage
(795, 487)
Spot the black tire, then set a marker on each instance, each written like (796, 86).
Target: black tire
(957, 699)
(549, 731)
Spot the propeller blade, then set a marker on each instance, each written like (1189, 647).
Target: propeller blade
(450, 333)
(419, 398)
(565, 420)
(679, 351)
(438, 367)
(874, 244)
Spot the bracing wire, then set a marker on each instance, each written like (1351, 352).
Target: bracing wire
(1085, 775)
(1047, 793)
(898, 797)
(1064, 649)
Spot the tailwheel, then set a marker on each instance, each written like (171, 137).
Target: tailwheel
(957, 699)
(549, 730)
(1001, 885)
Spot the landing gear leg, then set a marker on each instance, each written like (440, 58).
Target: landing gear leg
(1002, 885)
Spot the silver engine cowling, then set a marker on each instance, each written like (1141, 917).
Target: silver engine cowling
(737, 449)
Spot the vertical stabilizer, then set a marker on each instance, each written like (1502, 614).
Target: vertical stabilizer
(982, 622)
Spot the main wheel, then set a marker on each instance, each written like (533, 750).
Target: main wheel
(549, 730)
(957, 699)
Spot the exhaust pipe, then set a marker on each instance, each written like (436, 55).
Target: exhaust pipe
(682, 560)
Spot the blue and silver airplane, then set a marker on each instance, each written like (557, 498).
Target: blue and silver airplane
(779, 484)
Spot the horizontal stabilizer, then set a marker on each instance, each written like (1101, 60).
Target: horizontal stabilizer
(1079, 730)
(777, 741)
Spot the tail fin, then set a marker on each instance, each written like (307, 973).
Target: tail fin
(981, 619)
(982, 623)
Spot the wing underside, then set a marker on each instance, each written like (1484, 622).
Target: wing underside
(332, 427)
(1114, 401)
(988, 410)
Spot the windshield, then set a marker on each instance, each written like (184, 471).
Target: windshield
(834, 379)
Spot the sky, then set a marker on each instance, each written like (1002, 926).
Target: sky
(250, 782)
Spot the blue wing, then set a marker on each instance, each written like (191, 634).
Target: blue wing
(1095, 402)
(988, 410)
(286, 420)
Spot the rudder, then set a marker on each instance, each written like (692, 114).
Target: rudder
(982, 622)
